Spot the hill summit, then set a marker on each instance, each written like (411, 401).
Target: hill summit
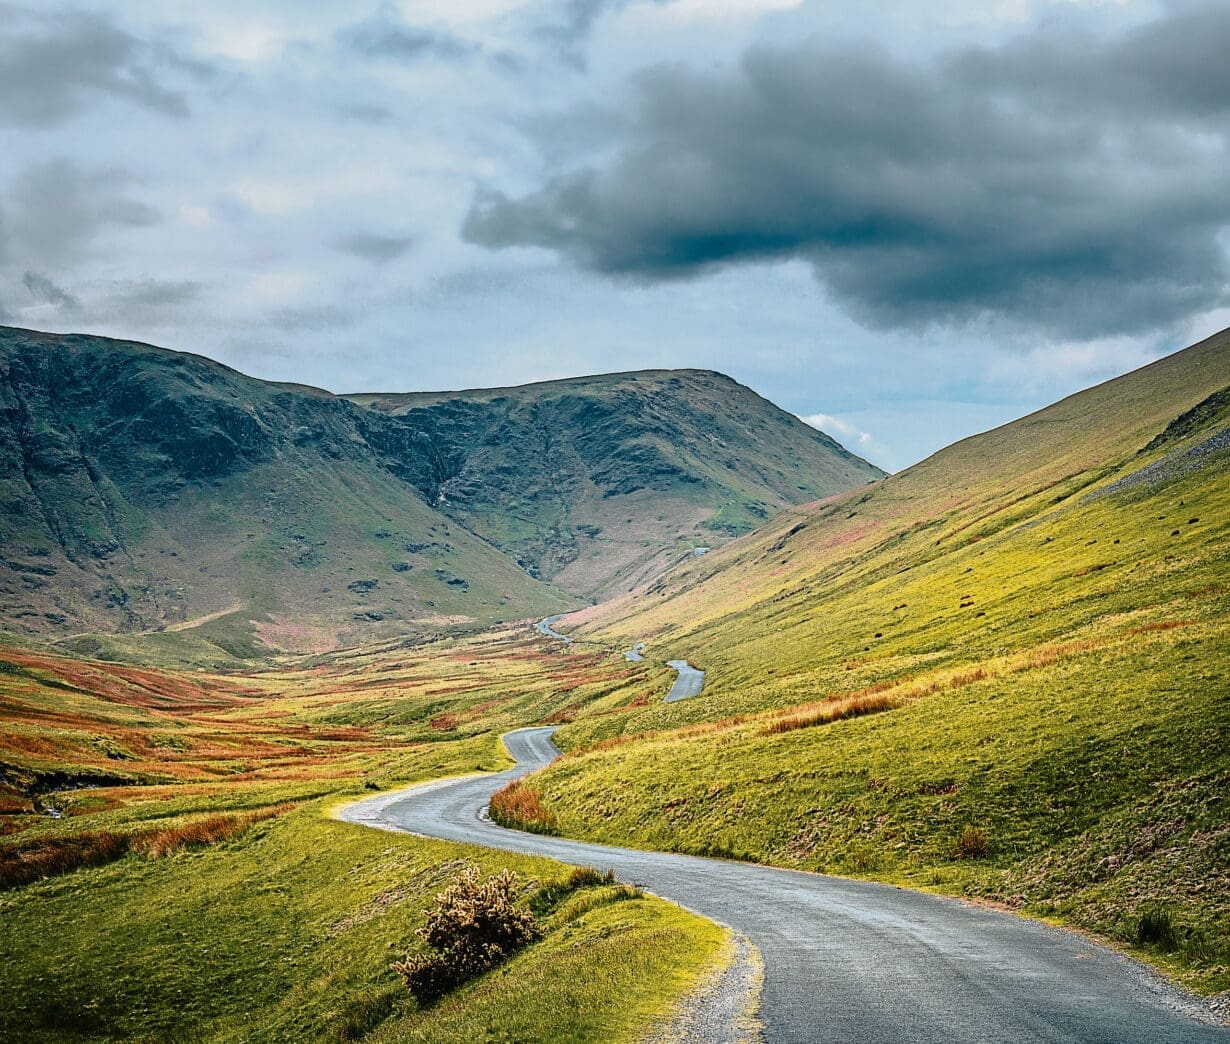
(600, 483)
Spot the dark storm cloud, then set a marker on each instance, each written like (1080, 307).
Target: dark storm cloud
(52, 64)
(386, 35)
(43, 289)
(55, 210)
(371, 246)
(1068, 183)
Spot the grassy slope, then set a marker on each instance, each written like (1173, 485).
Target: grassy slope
(1080, 725)
(285, 930)
(286, 933)
(598, 483)
(1051, 646)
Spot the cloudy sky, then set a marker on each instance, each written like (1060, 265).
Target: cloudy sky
(907, 222)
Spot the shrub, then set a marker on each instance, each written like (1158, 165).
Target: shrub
(474, 927)
(1155, 926)
(973, 843)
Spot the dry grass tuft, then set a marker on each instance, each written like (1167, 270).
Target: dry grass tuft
(52, 856)
(1160, 625)
(973, 843)
(829, 711)
(518, 805)
(968, 677)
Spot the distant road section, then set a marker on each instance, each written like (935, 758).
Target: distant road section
(545, 627)
(688, 684)
(850, 962)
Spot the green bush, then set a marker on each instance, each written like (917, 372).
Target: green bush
(1156, 927)
(474, 927)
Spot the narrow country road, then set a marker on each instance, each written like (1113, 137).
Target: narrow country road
(545, 627)
(688, 684)
(848, 960)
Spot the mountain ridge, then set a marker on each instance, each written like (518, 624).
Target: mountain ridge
(680, 437)
(142, 489)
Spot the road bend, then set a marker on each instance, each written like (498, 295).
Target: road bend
(850, 961)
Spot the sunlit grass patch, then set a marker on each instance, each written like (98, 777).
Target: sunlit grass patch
(286, 932)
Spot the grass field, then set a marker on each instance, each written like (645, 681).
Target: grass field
(193, 886)
(1000, 674)
(286, 933)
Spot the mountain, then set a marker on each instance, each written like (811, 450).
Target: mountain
(599, 484)
(146, 490)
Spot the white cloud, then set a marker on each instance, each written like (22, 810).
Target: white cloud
(829, 424)
(289, 147)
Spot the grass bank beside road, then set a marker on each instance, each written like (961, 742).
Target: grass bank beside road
(999, 674)
(287, 932)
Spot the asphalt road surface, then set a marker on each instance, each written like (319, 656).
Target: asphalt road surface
(688, 684)
(545, 627)
(850, 961)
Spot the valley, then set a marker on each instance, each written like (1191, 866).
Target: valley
(995, 676)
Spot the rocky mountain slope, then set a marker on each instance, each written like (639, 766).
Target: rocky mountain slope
(600, 483)
(145, 490)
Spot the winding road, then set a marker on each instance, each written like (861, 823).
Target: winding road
(845, 960)
(688, 684)
(547, 627)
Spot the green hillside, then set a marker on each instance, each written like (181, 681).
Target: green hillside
(599, 484)
(169, 860)
(143, 489)
(998, 673)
